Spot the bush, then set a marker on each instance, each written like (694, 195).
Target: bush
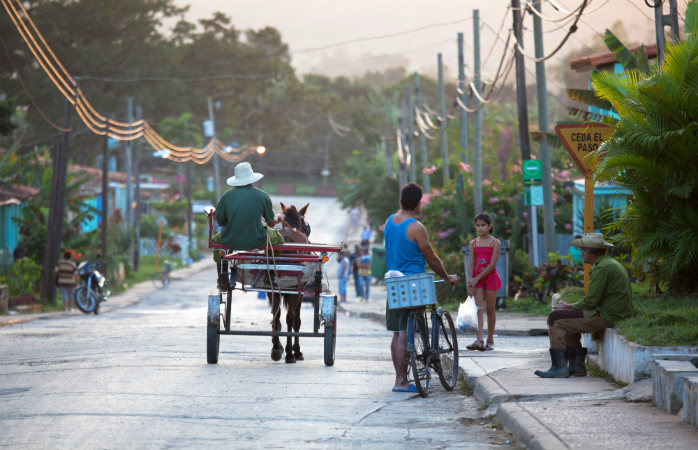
(22, 277)
(550, 277)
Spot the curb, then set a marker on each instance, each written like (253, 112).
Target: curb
(526, 428)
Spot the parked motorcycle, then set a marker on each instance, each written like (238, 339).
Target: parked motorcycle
(92, 292)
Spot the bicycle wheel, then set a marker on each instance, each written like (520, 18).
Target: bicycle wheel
(445, 351)
(158, 280)
(420, 356)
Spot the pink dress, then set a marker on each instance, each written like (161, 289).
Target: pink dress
(483, 256)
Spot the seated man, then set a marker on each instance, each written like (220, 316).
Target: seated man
(608, 299)
(240, 212)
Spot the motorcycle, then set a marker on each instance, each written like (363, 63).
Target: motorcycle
(92, 292)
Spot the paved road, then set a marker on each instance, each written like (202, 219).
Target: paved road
(137, 377)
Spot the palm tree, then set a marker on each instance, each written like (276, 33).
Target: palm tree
(654, 153)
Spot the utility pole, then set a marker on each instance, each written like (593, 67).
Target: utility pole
(442, 124)
(462, 96)
(189, 163)
(137, 195)
(523, 125)
(477, 118)
(660, 21)
(105, 198)
(548, 213)
(216, 175)
(422, 138)
(129, 162)
(410, 134)
(54, 228)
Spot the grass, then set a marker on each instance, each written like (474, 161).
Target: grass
(661, 320)
(596, 371)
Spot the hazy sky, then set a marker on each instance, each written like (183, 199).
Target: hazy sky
(421, 30)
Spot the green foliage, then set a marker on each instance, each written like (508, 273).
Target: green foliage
(173, 212)
(21, 277)
(366, 183)
(550, 277)
(654, 153)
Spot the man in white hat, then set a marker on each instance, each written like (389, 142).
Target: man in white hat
(240, 212)
(608, 299)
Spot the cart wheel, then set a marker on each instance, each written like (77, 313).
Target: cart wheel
(85, 303)
(420, 356)
(213, 326)
(330, 342)
(447, 351)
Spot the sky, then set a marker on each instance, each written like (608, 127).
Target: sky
(349, 37)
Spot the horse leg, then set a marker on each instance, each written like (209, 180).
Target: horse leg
(290, 319)
(296, 328)
(276, 348)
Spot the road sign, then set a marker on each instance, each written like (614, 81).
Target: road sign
(582, 139)
(532, 172)
(533, 195)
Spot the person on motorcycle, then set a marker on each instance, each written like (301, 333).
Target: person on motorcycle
(245, 215)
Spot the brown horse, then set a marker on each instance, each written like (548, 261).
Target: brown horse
(294, 230)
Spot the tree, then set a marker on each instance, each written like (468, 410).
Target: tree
(654, 153)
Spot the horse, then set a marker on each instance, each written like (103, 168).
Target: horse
(294, 230)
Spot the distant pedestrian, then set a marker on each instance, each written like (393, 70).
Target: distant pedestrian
(365, 273)
(483, 279)
(366, 236)
(343, 271)
(66, 279)
(354, 262)
(355, 216)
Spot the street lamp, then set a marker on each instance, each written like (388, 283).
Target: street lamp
(261, 150)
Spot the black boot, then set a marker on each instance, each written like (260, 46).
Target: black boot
(577, 357)
(223, 280)
(559, 366)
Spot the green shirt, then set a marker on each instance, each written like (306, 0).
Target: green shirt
(609, 291)
(240, 212)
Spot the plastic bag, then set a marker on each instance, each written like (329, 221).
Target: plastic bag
(467, 314)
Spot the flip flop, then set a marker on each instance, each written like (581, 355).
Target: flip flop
(410, 388)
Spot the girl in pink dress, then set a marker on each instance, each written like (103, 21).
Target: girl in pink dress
(483, 279)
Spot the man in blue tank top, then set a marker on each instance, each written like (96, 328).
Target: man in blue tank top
(407, 249)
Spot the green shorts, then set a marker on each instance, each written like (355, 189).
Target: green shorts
(396, 319)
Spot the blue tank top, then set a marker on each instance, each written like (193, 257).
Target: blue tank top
(401, 253)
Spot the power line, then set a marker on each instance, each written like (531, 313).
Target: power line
(385, 36)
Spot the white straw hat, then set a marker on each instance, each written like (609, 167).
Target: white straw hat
(244, 175)
(591, 240)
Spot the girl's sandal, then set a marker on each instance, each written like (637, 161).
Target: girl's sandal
(476, 345)
(489, 346)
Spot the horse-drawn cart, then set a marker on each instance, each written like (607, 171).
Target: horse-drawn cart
(277, 270)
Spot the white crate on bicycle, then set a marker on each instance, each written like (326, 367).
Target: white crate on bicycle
(410, 291)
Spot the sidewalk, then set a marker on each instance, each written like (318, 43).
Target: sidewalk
(559, 413)
(127, 298)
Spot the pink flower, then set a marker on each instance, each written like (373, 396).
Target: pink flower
(446, 233)
(502, 212)
(525, 213)
(568, 226)
(565, 174)
(493, 200)
(465, 167)
(557, 213)
(430, 170)
(486, 182)
(426, 198)
(516, 168)
(447, 213)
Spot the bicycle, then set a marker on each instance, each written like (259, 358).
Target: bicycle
(161, 279)
(437, 351)
(429, 350)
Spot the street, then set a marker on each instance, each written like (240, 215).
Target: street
(137, 377)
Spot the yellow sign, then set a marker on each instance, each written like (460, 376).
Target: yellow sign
(582, 139)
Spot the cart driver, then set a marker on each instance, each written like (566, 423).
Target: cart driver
(243, 214)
